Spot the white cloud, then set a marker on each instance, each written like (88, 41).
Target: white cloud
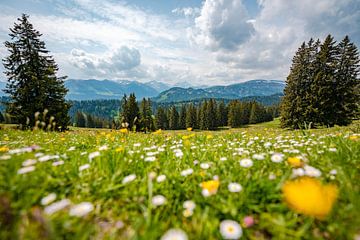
(222, 25)
(187, 11)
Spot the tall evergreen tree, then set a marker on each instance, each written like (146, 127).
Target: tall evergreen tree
(80, 120)
(133, 114)
(191, 117)
(182, 117)
(222, 114)
(146, 117)
(173, 118)
(204, 121)
(32, 82)
(161, 119)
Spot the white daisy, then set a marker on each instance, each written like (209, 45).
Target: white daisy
(158, 200)
(48, 199)
(311, 171)
(29, 162)
(93, 155)
(81, 209)
(57, 206)
(161, 178)
(186, 172)
(230, 229)
(174, 234)
(246, 163)
(84, 167)
(189, 204)
(223, 158)
(234, 187)
(150, 159)
(277, 157)
(129, 178)
(204, 165)
(26, 169)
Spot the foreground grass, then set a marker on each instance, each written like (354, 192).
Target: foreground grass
(125, 210)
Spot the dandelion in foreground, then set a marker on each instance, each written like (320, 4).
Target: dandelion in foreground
(26, 169)
(174, 234)
(48, 199)
(158, 200)
(209, 187)
(277, 157)
(246, 163)
(309, 196)
(230, 229)
(234, 187)
(81, 209)
(129, 178)
(295, 162)
(57, 206)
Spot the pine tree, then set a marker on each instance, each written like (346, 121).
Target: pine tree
(161, 119)
(146, 117)
(182, 117)
(234, 114)
(210, 115)
(124, 110)
(347, 92)
(191, 117)
(204, 121)
(133, 114)
(222, 114)
(80, 120)
(173, 118)
(33, 86)
(89, 121)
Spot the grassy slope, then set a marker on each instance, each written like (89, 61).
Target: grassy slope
(22, 216)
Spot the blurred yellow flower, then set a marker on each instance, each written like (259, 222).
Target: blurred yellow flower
(119, 149)
(62, 139)
(353, 137)
(4, 149)
(209, 136)
(189, 129)
(295, 161)
(210, 187)
(310, 197)
(123, 130)
(158, 131)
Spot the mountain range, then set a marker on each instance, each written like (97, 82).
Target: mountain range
(161, 92)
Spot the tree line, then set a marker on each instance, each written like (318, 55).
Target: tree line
(323, 86)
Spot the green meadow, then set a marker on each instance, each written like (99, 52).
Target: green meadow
(103, 184)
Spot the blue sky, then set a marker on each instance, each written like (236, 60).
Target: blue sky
(202, 42)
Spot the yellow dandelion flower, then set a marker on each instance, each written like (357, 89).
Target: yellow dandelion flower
(353, 137)
(310, 197)
(123, 130)
(187, 143)
(62, 139)
(189, 129)
(202, 173)
(4, 149)
(185, 137)
(119, 149)
(295, 162)
(158, 131)
(209, 136)
(210, 186)
(103, 133)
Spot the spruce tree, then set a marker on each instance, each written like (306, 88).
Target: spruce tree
(182, 117)
(80, 120)
(204, 121)
(347, 92)
(146, 117)
(33, 86)
(173, 118)
(161, 119)
(191, 117)
(133, 114)
(222, 114)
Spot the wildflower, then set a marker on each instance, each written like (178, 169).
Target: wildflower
(277, 157)
(123, 130)
(298, 172)
(158, 132)
(152, 175)
(188, 213)
(295, 161)
(26, 169)
(161, 178)
(119, 149)
(333, 172)
(259, 156)
(267, 144)
(174, 234)
(234, 187)
(4, 149)
(272, 176)
(246, 163)
(58, 163)
(150, 159)
(84, 167)
(93, 155)
(71, 148)
(223, 158)
(311, 171)
(29, 162)
(248, 221)
(209, 187)
(186, 172)
(158, 200)
(204, 165)
(189, 204)
(48, 199)
(81, 209)
(189, 129)
(178, 153)
(46, 158)
(353, 137)
(129, 178)
(332, 149)
(103, 148)
(230, 229)
(310, 197)
(57, 206)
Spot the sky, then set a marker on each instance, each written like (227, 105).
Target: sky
(208, 42)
